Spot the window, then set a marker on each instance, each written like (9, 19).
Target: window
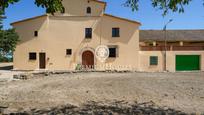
(63, 10)
(36, 33)
(115, 32)
(112, 52)
(69, 51)
(153, 60)
(32, 56)
(153, 44)
(88, 10)
(88, 33)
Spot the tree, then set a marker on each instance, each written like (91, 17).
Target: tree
(164, 5)
(1, 18)
(8, 40)
(53, 6)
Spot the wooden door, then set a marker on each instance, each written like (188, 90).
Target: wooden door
(42, 60)
(88, 60)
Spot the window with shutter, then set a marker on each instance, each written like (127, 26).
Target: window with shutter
(153, 60)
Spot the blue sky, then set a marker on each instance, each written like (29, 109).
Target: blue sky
(151, 18)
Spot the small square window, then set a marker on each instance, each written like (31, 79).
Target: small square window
(32, 56)
(153, 60)
(36, 33)
(63, 10)
(112, 52)
(69, 51)
(115, 32)
(88, 33)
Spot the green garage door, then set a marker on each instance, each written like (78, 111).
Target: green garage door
(187, 62)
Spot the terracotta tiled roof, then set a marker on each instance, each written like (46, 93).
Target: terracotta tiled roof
(172, 35)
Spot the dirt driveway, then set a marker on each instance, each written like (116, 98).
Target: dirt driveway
(180, 91)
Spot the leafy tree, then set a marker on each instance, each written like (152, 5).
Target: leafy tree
(164, 5)
(53, 6)
(8, 40)
(1, 19)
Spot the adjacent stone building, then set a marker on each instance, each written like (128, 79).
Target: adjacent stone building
(184, 50)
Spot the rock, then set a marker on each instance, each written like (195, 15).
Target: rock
(174, 97)
(192, 88)
(24, 76)
(166, 95)
(2, 108)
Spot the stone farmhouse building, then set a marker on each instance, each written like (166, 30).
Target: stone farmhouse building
(184, 50)
(65, 40)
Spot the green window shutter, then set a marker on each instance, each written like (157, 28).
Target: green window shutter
(153, 60)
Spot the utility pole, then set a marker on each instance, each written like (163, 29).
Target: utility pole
(165, 44)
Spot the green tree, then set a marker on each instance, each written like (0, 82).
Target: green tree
(8, 40)
(53, 6)
(1, 18)
(164, 5)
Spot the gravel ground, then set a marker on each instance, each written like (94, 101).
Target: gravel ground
(7, 76)
(180, 91)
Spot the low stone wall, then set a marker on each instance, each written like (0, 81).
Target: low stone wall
(30, 75)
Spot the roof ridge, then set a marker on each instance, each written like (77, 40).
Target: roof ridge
(133, 21)
(99, 1)
(172, 35)
(35, 17)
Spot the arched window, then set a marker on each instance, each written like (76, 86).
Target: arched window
(88, 10)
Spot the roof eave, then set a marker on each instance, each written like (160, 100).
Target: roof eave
(28, 19)
(132, 21)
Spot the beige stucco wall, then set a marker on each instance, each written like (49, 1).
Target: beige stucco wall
(78, 8)
(28, 43)
(144, 59)
(145, 64)
(171, 58)
(58, 33)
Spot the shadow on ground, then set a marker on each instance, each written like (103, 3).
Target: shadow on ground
(113, 108)
(6, 68)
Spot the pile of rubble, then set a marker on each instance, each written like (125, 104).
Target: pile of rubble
(118, 108)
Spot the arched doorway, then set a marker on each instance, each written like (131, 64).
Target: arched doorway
(88, 60)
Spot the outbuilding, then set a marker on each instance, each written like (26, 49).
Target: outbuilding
(175, 50)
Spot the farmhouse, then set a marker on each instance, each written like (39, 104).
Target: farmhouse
(65, 40)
